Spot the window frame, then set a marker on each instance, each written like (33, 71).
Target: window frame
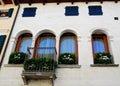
(105, 40)
(33, 9)
(76, 44)
(68, 10)
(37, 42)
(19, 40)
(6, 12)
(93, 9)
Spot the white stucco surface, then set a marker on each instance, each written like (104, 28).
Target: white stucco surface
(51, 18)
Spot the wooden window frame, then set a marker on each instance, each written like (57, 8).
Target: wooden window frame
(76, 44)
(105, 40)
(20, 40)
(37, 42)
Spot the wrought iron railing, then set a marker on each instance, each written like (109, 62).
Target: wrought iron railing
(41, 59)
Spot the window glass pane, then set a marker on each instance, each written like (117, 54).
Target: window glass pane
(25, 43)
(71, 11)
(29, 12)
(47, 42)
(46, 45)
(95, 10)
(67, 45)
(98, 45)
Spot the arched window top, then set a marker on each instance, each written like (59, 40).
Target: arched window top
(47, 35)
(26, 35)
(100, 47)
(68, 34)
(24, 41)
(44, 44)
(97, 35)
(68, 44)
(99, 31)
(100, 43)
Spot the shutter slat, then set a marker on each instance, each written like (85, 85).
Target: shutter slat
(2, 39)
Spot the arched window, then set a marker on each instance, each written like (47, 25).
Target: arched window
(45, 44)
(68, 44)
(100, 43)
(101, 52)
(24, 41)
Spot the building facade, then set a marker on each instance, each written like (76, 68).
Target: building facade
(7, 17)
(85, 29)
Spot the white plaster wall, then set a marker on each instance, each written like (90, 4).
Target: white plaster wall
(51, 17)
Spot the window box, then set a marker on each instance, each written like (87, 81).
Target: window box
(67, 58)
(17, 58)
(103, 58)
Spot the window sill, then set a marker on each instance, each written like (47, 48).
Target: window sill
(13, 65)
(68, 66)
(104, 65)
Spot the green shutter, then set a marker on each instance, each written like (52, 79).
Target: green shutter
(2, 39)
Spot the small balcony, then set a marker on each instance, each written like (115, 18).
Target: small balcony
(40, 63)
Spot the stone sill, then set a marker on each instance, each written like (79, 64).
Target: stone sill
(104, 65)
(68, 66)
(13, 65)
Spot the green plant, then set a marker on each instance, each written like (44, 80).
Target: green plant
(103, 58)
(67, 58)
(16, 58)
(41, 64)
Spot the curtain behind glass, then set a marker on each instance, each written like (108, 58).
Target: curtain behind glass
(25, 43)
(67, 45)
(98, 45)
(46, 45)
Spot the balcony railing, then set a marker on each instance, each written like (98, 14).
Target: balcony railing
(40, 63)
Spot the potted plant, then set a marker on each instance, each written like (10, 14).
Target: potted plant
(103, 58)
(17, 58)
(41, 64)
(67, 58)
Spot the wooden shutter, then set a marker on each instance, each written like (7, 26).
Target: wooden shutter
(2, 39)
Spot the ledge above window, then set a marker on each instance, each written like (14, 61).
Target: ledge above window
(68, 66)
(104, 65)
